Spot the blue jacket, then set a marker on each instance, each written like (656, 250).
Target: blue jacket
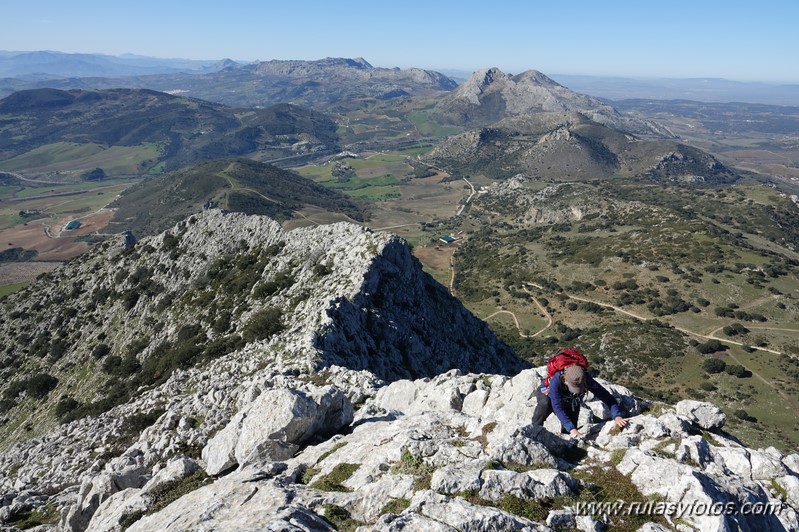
(559, 395)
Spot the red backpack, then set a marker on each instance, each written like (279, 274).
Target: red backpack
(562, 360)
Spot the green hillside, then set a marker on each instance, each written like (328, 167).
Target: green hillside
(654, 281)
(59, 133)
(239, 185)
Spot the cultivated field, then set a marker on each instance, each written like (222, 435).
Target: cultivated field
(33, 219)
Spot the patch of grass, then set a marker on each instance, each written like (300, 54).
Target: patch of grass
(487, 429)
(779, 489)
(333, 480)
(307, 474)
(533, 509)
(607, 484)
(395, 506)
(340, 518)
(416, 466)
(47, 515)
(11, 288)
(617, 456)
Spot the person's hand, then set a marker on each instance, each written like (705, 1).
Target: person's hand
(621, 422)
(574, 433)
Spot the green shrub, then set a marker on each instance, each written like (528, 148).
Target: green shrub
(736, 370)
(735, 329)
(6, 405)
(48, 515)
(100, 350)
(714, 365)
(170, 242)
(340, 518)
(222, 346)
(711, 346)
(744, 415)
(65, 406)
(38, 386)
(263, 325)
(134, 424)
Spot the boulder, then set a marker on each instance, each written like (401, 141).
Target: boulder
(93, 492)
(113, 510)
(704, 415)
(456, 478)
(535, 484)
(790, 484)
(792, 463)
(271, 427)
(459, 514)
(695, 449)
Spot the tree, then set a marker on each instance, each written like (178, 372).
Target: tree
(711, 346)
(714, 365)
(736, 370)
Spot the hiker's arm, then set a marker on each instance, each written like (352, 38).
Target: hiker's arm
(605, 396)
(557, 404)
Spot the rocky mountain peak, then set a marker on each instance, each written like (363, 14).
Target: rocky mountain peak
(536, 77)
(490, 96)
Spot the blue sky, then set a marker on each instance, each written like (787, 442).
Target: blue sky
(701, 38)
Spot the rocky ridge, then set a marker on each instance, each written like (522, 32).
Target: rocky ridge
(568, 146)
(490, 95)
(556, 203)
(177, 322)
(455, 452)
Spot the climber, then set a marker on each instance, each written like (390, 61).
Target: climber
(563, 395)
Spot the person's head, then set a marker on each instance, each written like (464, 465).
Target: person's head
(574, 378)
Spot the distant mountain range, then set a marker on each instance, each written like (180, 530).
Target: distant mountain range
(331, 81)
(715, 90)
(25, 69)
(47, 65)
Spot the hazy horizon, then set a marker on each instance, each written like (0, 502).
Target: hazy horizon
(729, 40)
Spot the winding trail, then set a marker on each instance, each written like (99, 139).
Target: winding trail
(544, 311)
(515, 320)
(460, 210)
(452, 268)
(643, 318)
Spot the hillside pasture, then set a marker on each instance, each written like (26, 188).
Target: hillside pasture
(66, 161)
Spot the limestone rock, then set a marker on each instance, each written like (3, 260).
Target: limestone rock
(273, 424)
(681, 484)
(458, 478)
(704, 415)
(462, 515)
(93, 492)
